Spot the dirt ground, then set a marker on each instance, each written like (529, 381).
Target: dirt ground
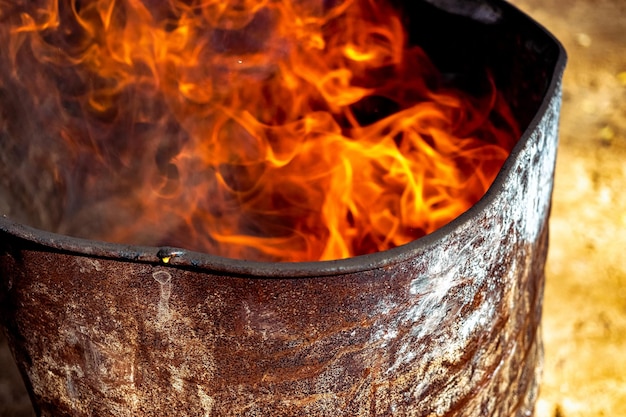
(585, 301)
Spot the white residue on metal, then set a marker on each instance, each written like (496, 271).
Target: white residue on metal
(541, 179)
(431, 307)
(87, 265)
(384, 335)
(478, 319)
(177, 382)
(206, 401)
(165, 285)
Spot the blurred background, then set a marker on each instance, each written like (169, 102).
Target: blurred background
(584, 322)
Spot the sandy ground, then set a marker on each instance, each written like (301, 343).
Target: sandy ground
(585, 301)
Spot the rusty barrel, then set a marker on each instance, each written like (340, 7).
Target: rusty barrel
(447, 325)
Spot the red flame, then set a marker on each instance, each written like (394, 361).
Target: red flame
(283, 130)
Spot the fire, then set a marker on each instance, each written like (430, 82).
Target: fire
(280, 130)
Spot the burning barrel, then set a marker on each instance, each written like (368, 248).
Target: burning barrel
(268, 310)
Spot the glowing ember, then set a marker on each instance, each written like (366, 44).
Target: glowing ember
(284, 130)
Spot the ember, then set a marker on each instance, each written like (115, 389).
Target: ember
(283, 130)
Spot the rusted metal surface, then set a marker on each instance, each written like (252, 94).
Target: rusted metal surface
(447, 325)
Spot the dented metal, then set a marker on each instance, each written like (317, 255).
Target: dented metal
(446, 325)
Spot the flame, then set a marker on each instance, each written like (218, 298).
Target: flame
(278, 130)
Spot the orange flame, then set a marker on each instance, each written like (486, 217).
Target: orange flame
(282, 130)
